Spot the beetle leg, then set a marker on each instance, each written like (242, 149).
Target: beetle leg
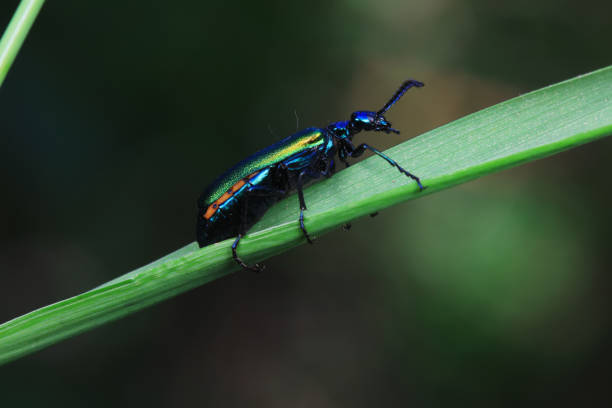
(256, 267)
(302, 205)
(283, 174)
(358, 151)
(329, 169)
(342, 153)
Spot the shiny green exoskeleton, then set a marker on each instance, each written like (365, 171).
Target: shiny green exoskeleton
(239, 197)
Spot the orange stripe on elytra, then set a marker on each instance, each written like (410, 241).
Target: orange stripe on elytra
(212, 209)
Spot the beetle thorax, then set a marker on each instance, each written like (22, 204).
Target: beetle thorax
(341, 130)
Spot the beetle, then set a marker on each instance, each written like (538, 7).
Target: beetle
(238, 198)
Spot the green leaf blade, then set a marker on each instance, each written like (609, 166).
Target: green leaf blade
(16, 33)
(526, 128)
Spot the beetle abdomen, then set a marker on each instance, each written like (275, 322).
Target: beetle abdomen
(240, 206)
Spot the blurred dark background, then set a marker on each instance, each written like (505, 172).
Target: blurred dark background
(116, 115)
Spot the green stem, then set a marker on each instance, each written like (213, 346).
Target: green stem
(522, 129)
(16, 32)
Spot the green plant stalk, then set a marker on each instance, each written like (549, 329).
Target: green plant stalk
(525, 128)
(16, 32)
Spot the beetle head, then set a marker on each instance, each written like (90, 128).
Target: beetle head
(366, 120)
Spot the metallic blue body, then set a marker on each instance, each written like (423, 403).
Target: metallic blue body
(277, 168)
(236, 200)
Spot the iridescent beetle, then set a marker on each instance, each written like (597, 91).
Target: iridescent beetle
(234, 202)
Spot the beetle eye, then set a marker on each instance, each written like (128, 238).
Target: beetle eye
(364, 120)
(382, 122)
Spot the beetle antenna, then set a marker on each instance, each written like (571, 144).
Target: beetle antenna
(297, 120)
(400, 92)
